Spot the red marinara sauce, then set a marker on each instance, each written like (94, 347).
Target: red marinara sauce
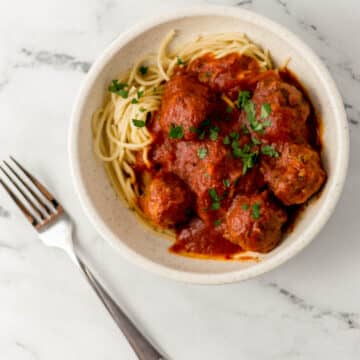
(235, 155)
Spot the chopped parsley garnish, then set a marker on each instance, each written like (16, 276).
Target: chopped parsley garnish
(120, 89)
(217, 222)
(215, 205)
(138, 123)
(176, 132)
(226, 140)
(204, 123)
(255, 211)
(143, 69)
(179, 61)
(243, 98)
(216, 199)
(245, 130)
(213, 194)
(247, 157)
(245, 207)
(255, 141)
(214, 133)
(248, 106)
(134, 101)
(265, 110)
(142, 109)
(251, 116)
(229, 109)
(202, 152)
(234, 135)
(140, 94)
(269, 150)
(226, 182)
(201, 129)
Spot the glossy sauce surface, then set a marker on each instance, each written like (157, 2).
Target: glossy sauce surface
(228, 207)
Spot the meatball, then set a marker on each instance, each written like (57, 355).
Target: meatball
(226, 73)
(254, 222)
(186, 104)
(167, 200)
(295, 175)
(288, 112)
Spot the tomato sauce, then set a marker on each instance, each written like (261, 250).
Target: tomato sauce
(227, 166)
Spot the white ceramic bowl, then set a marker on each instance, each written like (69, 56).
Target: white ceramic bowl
(120, 226)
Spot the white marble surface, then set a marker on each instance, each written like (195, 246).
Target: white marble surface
(308, 308)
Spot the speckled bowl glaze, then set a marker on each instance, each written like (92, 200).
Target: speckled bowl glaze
(119, 226)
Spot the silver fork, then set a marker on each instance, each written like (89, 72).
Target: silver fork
(54, 227)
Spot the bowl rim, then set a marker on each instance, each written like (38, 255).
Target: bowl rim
(340, 168)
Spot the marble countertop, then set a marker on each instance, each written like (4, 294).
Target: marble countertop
(308, 308)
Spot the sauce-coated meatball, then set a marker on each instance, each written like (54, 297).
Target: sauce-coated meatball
(295, 175)
(185, 103)
(288, 115)
(167, 200)
(254, 222)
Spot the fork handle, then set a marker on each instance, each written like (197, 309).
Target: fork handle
(141, 346)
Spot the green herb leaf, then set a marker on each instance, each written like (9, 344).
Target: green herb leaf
(234, 135)
(119, 89)
(202, 152)
(179, 61)
(204, 123)
(255, 141)
(247, 157)
(245, 129)
(134, 101)
(229, 109)
(266, 123)
(265, 110)
(245, 207)
(217, 222)
(142, 109)
(193, 129)
(213, 194)
(143, 69)
(176, 132)
(116, 86)
(269, 150)
(255, 211)
(215, 205)
(214, 133)
(226, 140)
(140, 94)
(226, 182)
(243, 98)
(138, 123)
(202, 135)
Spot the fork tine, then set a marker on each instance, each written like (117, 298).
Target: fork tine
(40, 186)
(32, 192)
(21, 206)
(18, 188)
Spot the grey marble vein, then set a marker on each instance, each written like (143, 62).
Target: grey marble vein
(353, 113)
(346, 67)
(27, 350)
(59, 60)
(304, 24)
(4, 213)
(244, 2)
(350, 319)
